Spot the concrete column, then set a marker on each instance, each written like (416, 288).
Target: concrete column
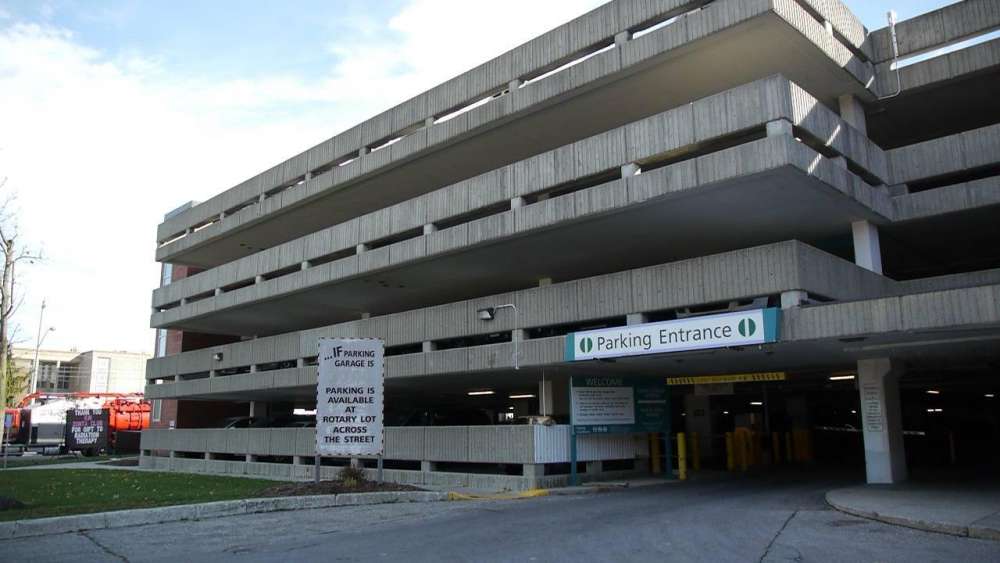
(258, 279)
(795, 298)
(253, 405)
(882, 421)
(209, 456)
(699, 419)
(361, 248)
(218, 291)
(429, 122)
(853, 112)
(545, 397)
(363, 151)
(544, 282)
(518, 334)
(595, 467)
(250, 458)
(308, 176)
(428, 466)
(553, 395)
(514, 85)
(779, 127)
(623, 38)
(366, 315)
(867, 250)
(222, 216)
(184, 301)
(636, 319)
(828, 27)
(630, 169)
(298, 460)
(534, 470)
(517, 203)
(305, 265)
(429, 347)
(430, 228)
(188, 230)
(300, 363)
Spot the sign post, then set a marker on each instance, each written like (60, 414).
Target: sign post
(616, 405)
(349, 399)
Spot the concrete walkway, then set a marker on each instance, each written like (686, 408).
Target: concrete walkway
(961, 510)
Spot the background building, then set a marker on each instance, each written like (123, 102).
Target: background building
(646, 162)
(93, 371)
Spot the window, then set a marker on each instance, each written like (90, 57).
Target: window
(157, 410)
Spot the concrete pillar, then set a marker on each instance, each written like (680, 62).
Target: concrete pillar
(222, 216)
(795, 298)
(828, 27)
(623, 38)
(636, 319)
(630, 169)
(545, 397)
(366, 316)
(430, 228)
(428, 466)
(300, 363)
(553, 395)
(779, 127)
(544, 282)
(534, 470)
(429, 347)
(298, 460)
(595, 467)
(882, 421)
(209, 456)
(218, 291)
(867, 250)
(361, 248)
(250, 458)
(363, 151)
(699, 419)
(429, 122)
(253, 405)
(308, 176)
(305, 265)
(514, 85)
(258, 279)
(517, 203)
(518, 334)
(853, 112)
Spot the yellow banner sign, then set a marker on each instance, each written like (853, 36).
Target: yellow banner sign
(733, 378)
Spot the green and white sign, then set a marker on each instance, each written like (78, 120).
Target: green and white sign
(609, 404)
(758, 326)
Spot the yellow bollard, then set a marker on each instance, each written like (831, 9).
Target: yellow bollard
(730, 455)
(682, 472)
(788, 447)
(776, 447)
(695, 452)
(654, 453)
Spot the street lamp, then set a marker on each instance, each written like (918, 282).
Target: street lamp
(490, 313)
(38, 344)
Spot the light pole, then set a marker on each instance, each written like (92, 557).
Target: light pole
(490, 313)
(38, 344)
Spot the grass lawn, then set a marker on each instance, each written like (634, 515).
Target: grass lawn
(31, 461)
(59, 492)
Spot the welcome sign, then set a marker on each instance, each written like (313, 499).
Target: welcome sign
(758, 326)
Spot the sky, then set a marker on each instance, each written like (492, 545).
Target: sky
(112, 113)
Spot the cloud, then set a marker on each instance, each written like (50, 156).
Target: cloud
(99, 147)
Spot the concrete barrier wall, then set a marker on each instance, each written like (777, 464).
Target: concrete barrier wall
(937, 29)
(775, 268)
(946, 155)
(519, 444)
(683, 128)
(547, 52)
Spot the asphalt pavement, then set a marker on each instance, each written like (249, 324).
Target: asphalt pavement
(777, 518)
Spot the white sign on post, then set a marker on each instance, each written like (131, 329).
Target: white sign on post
(349, 397)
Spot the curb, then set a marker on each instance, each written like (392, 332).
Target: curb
(205, 511)
(975, 532)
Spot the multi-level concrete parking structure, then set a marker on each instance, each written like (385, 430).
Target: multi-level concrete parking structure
(651, 160)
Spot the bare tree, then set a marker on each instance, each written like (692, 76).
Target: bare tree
(12, 255)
